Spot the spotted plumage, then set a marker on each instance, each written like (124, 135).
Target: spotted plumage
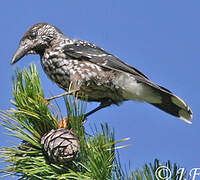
(91, 70)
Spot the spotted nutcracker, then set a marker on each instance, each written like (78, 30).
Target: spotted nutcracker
(90, 70)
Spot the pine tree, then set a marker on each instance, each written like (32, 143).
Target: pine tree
(55, 147)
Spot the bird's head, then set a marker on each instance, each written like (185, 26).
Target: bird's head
(35, 40)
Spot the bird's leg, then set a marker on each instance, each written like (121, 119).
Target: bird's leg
(63, 94)
(101, 106)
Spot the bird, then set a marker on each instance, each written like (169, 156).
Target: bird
(83, 67)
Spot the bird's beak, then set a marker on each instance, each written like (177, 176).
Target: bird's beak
(23, 49)
(20, 53)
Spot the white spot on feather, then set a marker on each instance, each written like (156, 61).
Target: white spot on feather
(71, 71)
(185, 116)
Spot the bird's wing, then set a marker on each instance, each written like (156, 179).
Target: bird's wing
(87, 51)
(169, 102)
(83, 50)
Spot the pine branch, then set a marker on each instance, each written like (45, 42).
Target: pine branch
(35, 121)
(33, 117)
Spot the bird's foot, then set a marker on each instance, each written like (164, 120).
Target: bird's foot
(61, 95)
(84, 120)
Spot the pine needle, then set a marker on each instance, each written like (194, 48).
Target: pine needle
(32, 117)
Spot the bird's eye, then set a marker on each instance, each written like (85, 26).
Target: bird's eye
(33, 35)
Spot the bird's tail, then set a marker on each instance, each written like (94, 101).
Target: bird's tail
(173, 105)
(142, 89)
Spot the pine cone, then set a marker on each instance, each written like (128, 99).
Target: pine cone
(61, 145)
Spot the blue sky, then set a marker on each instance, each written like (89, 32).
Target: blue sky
(159, 37)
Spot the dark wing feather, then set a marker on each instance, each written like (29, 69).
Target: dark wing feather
(86, 51)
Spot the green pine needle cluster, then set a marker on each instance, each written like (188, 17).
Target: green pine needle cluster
(33, 116)
(32, 108)
(150, 172)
